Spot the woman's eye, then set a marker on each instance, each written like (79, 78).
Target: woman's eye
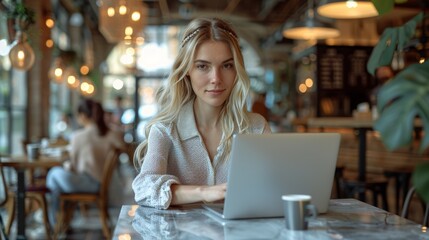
(202, 67)
(228, 65)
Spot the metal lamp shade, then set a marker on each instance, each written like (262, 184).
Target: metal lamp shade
(347, 9)
(310, 29)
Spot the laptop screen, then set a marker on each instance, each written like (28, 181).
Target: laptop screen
(263, 167)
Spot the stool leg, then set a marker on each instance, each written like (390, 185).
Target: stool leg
(405, 186)
(397, 193)
(375, 197)
(425, 217)
(337, 186)
(384, 196)
(407, 201)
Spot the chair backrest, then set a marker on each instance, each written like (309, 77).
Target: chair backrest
(109, 167)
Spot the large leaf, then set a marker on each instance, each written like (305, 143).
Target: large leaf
(400, 100)
(391, 40)
(420, 180)
(383, 6)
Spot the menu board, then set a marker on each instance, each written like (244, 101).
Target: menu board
(330, 68)
(342, 78)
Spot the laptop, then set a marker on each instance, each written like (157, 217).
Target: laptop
(263, 167)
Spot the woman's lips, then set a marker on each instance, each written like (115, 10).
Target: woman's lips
(215, 91)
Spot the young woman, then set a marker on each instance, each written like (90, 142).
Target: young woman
(184, 158)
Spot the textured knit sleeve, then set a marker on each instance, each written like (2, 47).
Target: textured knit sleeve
(152, 185)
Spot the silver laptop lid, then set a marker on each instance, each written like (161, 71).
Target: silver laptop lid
(263, 167)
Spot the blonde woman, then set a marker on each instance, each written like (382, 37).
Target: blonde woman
(184, 158)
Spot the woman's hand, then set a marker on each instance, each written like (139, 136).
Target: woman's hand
(184, 194)
(213, 193)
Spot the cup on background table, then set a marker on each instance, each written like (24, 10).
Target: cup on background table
(33, 151)
(298, 210)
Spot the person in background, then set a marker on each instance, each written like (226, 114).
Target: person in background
(184, 158)
(382, 74)
(89, 147)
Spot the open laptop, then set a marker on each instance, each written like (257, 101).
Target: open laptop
(263, 167)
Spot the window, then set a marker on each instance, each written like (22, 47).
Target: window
(12, 100)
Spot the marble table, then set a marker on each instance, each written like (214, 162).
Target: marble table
(346, 219)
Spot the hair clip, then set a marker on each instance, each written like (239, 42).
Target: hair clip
(191, 35)
(230, 33)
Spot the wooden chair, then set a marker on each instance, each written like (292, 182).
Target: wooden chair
(68, 201)
(32, 193)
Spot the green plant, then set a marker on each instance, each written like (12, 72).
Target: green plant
(22, 15)
(404, 97)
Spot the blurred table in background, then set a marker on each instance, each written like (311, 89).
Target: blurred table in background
(21, 164)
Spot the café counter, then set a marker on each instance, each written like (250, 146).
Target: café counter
(345, 219)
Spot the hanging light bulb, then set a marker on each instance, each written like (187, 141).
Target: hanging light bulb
(87, 87)
(56, 71)
(71, 78)
(21, 54)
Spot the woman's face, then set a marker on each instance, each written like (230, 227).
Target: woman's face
(212, 73)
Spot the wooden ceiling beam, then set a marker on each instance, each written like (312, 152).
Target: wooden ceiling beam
(231, 6)
(165, 11)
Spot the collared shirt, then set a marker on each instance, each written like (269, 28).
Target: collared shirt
(176, 154)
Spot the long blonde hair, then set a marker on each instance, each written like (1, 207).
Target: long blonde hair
(178, 91)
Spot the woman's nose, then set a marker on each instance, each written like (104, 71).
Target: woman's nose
(216, 75)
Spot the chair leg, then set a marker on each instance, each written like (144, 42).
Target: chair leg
(42, 202)
(407, 202)
(105, 219)
(385, 202)
(60, 220)
(425, 217)
(10, 206)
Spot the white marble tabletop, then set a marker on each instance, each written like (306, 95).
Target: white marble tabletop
(346, 219)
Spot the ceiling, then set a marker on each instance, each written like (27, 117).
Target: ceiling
(260, 22)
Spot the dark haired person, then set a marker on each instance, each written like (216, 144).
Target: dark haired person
(89, 147)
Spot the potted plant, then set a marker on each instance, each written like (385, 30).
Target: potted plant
(405, 97)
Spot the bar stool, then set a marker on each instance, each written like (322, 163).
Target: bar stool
(402, 178)
(378, 187)
(339, 174)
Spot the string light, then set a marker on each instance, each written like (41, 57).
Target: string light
(21, 54)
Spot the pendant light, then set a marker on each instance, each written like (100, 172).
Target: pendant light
(21, 54)
(310, 28)
(347, 9)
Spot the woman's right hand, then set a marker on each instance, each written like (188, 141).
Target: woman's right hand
(214, 193)
(184, 194)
